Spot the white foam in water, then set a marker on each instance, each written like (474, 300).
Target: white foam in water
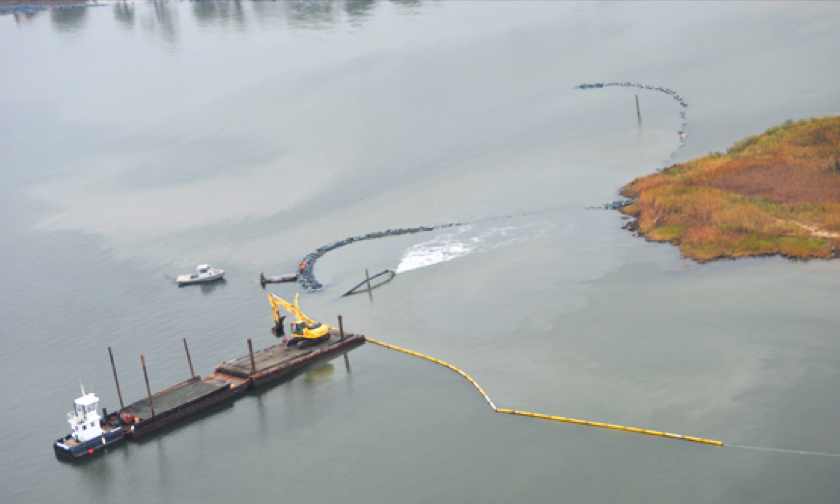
(447, 247)
(441, 249)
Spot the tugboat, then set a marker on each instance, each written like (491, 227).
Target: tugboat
(204, 273)
(89, 431)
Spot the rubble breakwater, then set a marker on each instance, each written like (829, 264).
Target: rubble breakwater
(306, 275)
(648, 87)
(615, 205)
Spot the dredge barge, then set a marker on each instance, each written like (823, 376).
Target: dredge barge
(91, 432)
(179, 401)
(275, 362)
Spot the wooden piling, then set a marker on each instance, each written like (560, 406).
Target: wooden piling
(341, 327)
(186, 348)
(117, 381)
(148, 389)
(638, 112)
(367, 275)
(251, 352)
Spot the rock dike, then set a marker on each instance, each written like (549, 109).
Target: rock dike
(306, 276)
(661, 89)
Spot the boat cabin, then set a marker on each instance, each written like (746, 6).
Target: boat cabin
(203, 273)
(84, 419)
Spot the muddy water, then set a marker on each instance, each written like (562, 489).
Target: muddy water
(139, 140)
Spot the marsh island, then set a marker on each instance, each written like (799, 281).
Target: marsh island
(773, 193)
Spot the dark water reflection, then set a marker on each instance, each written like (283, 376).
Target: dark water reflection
(68, 20)
(161, 18)
(207, 288)
(124, 14)
(162, 21)
(360, 10)
(220, 13)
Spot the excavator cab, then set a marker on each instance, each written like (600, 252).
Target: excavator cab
(305, 331)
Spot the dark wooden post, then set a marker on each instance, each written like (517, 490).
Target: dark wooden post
(186, 348)
(367, 275)
(251, 351)
(638, 112)
(341, 327)
(119, 394)
(148, 389)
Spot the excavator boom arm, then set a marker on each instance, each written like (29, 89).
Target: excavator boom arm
(294, 309)
(277, 303)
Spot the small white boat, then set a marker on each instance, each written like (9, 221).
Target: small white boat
(204, 273)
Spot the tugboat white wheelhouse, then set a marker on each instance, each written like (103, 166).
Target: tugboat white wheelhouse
(88, 430)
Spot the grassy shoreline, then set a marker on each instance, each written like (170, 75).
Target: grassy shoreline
(777, 193)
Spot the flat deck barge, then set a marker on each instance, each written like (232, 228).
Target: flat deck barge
(178, 401)
(90, 432)
(276, 361)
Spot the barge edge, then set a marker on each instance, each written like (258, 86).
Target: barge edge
(276, 372)
(134, 431)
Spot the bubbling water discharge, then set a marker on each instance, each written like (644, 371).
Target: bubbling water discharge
(430, 253)
(446, 247)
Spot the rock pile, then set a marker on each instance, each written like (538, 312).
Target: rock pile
(668, 91)
(305, 275)
(661, 89)
(614, 205)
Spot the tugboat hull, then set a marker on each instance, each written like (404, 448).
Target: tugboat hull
(70, 449)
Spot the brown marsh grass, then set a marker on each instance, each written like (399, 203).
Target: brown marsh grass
(774, 193)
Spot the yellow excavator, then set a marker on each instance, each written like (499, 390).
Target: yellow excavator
(305, 331)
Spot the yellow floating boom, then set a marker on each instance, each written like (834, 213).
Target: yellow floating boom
(549, 417)
(453, 368)
(611, 426)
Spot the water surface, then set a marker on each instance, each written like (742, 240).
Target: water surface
(139, 140)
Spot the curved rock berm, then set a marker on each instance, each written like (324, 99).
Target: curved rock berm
(668, 91)
(615, 205)
(306, 277)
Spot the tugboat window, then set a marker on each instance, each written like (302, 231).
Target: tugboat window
(84, 427)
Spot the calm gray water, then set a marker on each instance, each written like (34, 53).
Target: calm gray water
(138, 140)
